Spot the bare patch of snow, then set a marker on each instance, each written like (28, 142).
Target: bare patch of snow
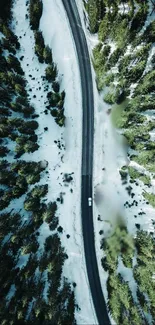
(11, 293)
(127, 275)
(150, 17)
(45, 292)
(22, 261)
(149, 63)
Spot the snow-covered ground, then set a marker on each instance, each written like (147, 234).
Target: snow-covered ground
(57, 35)
(109, 151)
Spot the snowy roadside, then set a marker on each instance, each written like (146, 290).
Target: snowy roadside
(57, 35)
(110, 154)
(100, 120)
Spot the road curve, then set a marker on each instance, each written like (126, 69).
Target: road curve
(87, 160)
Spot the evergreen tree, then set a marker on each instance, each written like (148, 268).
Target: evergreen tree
(3, 151)
(47, 54)
(51, 72)
(35, 11)
(39, 45)
(14, 64)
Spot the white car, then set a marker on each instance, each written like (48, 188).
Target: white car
(89, 201)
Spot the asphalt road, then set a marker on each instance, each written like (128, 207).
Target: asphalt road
(87, 160)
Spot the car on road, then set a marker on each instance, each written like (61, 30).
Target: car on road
(89, 201)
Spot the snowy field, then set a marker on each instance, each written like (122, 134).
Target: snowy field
(56, 31)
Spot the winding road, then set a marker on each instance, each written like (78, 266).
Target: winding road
(87, 160)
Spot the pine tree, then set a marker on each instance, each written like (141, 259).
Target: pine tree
(35, 11)
(51, 72)
(47, 54)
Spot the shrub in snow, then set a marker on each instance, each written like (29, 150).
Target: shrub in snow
(54, 112)
(67, 178)
(60, 229)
